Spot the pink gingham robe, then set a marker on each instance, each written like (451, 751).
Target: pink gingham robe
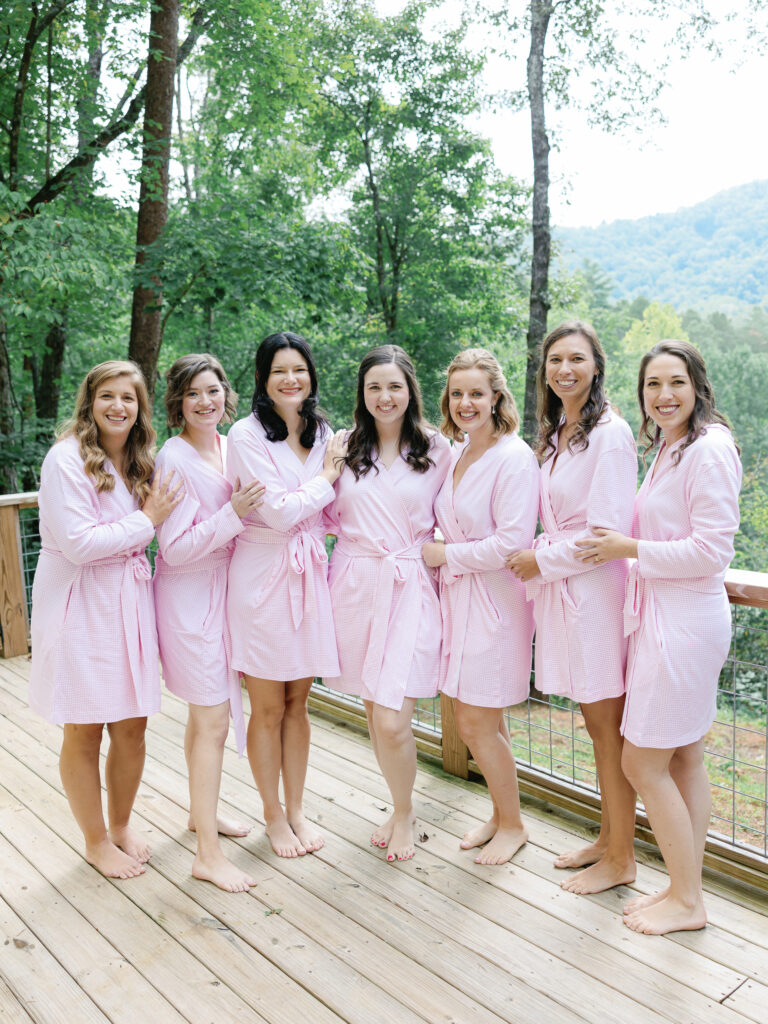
(195, 545)
(94, 644)
(580, 645)
(677, 611)
(384, 597)
(278, 607)
(487, 621)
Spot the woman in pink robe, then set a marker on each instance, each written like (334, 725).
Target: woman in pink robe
(588, 479)
(487, 507)
(195, 546)
(278, 608)
(94, 644)
(678, 618)
(384, 599)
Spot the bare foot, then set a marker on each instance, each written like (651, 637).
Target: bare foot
(479, 836)
(306, 833)
(601, 876)
(382, 835)
(638, 902)
(284, 840)
(132, 843)
(503, 846)
(581, 858)
(401, 845)
(222, 872)
(113, 863)
(668, 915)
(225, 827)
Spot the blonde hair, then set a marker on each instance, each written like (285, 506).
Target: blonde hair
(179, 379)
(139, 446)
(506, 419)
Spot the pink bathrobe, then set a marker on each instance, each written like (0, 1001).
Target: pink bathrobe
(278, 607)
(384, 597)
(195, 546)
(677, 611)
(580, 643)
(94, 644)
(487, 621)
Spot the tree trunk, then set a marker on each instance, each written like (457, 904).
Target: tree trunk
(9, 481)
(146, 314)
(541, 11)
(48, 385)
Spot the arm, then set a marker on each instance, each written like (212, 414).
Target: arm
(515, 509)
(70, 506)
(609, 505)
(183, 540)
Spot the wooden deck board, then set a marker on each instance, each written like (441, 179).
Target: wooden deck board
(341, 935)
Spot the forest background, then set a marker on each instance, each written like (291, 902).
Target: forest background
(324, 178)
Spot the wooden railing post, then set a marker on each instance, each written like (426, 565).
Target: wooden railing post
(13, 602)
(455, 751)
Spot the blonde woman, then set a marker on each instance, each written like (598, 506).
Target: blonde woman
(94, 644)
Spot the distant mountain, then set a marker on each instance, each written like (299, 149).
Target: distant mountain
(712, 256)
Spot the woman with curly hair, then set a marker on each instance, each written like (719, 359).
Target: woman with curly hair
(678, 618)
(487, 507)
(94, 644)
(278, 608)
(588, 479)
(384, 599)
(195, 545)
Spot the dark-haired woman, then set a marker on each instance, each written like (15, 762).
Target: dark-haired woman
(195, 546)
(94, 642)
(589, 475)
(384, 600)
(278, 607)
(686, 516)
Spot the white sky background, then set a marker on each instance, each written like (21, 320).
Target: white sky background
(715, 138)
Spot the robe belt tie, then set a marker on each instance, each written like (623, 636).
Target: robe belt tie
(306, 551)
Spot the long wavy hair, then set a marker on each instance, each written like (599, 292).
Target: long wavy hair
(179, 378)
(262, 406)
(139, 445)
(504, 414)
(549, 408)
(704, 410)
(415, 440)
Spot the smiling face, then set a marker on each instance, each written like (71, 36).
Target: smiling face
(386, 394)
(570, 369)
(203, 404)
(115, 409)
(470, 401)
(669, 396)
(289, 383)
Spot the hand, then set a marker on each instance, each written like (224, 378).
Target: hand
(162, 498)
(433, 553)
(605, 546)
(523, 564)
(335, 452)
(245, 499)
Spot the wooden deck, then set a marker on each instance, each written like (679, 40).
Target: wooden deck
(340, 935)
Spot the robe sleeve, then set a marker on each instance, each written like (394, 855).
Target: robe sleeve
(183, 540)
(515, 508)
(248, 459)
(70, 503)
(713, 510)
(609, 505)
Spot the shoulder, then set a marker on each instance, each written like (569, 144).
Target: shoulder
(171, 453)
(715, 445)
(437, 441)
(511, 448)
(612, 431)
(65, 454)
(248, 430)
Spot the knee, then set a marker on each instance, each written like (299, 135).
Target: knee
(391, 730)
(472, 726)
(267, 716)
(212, 725)
(295, 708)
(128, 734)
(635, 770)
(83, 738)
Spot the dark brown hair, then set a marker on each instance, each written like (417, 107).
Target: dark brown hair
(263, 407)
(179, 378)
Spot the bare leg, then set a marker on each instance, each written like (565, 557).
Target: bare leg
(79, 769)
(480, 728)
(295, 742)
(265, 753)
(592, 852)
(678, 833)
(125, 763)
(617, 864)
(395, 750)
(206, 735)
(225, 826)
(480, 835)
